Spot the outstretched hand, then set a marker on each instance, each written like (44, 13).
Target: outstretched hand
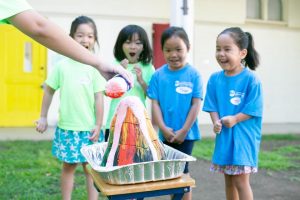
(125, 74)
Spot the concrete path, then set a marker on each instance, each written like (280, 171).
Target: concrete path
(29, 133)
(25, 133)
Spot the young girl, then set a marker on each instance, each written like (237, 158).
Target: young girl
(132, 50)
(176, 93)
(22, 16)
(234, 101)
(81, 108)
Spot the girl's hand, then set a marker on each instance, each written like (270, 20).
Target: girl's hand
(217, 126)
(41, 125)
(139, 74)
(168, 134)
(124, 63)
(95, 134)
(179, 137)
(229, 121)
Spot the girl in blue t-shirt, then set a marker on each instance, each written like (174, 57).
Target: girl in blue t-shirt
(234, 101)
(176, 93)
(80, 111)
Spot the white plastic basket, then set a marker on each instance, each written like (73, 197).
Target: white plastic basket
(171, 167)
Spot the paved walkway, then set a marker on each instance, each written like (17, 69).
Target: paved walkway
(25, 133)
(29, 133)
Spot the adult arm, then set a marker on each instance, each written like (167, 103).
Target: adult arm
(53, 37)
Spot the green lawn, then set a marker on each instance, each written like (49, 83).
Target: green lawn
(29, 171)
(278, 152)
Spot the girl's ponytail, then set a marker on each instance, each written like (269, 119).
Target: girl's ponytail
(252, 58)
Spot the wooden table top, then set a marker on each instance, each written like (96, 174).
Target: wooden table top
(108, 189)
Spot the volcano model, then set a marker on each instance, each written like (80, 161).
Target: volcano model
(132, 137)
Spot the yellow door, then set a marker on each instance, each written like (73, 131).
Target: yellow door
(22, 73)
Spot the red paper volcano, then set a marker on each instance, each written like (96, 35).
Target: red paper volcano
(132, 137)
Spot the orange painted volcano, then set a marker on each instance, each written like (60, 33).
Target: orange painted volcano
(132, 137)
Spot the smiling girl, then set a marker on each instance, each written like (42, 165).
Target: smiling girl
(234, 102)
(80, 111)
(176, 93)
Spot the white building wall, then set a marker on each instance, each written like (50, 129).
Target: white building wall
(220, 11)
(293, 14)
(277, 43)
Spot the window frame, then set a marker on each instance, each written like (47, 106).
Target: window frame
(264, 14)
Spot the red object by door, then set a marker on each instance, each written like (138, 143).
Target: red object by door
(158, 57)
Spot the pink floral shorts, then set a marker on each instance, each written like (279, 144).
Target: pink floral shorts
(233, 169)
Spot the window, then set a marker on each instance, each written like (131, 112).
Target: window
(275, 10)
(254, 9)
(265, 10)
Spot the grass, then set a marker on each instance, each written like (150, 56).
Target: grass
(284, 157)
(29, 171)
(280, 157)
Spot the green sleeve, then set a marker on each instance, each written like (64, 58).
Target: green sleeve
(9, 8)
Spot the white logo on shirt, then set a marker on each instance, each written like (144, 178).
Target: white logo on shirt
(183, 87)
(236, 97)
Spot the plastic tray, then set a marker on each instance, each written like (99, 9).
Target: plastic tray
(171, 167)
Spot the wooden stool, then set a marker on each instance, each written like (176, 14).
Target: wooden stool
(176, 187)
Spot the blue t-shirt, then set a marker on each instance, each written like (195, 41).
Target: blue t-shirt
(174, 90)
(229, 95)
